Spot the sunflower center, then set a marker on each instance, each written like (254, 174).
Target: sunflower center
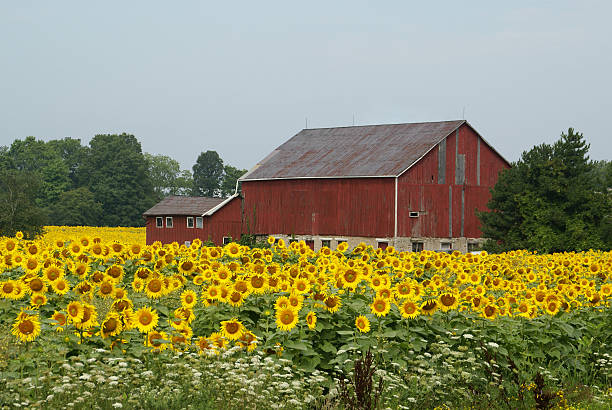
(36, 285)
(155, 285)
(489, 311)
(286, 318)
(236, 296)
(106, 288)
(447, 300)
(145, 318)
(257, 282)
(7, 288)
(26, 327)
(232, 328)
(110, 325)
(409, 308)
(331, 302)
(187, 265)
(380, 306)
(430, 305)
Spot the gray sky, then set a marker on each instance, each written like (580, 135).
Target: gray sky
(240, 77)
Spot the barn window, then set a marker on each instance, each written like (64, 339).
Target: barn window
(159, 222)
(473, 246)
(417, 246)
(227, 239)
(446, 246)
(199, 222)
(326, 242)
(413, 214)
(382, 244)
(190, 222)
(169, 222)
(187, 243)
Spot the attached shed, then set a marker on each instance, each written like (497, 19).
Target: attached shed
(415, 186)
(182, 219)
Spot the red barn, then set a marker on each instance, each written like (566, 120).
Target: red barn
(182, 219)
(414, 186)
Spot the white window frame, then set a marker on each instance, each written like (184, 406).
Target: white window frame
(226, 240)
(159, 221)
(190, 219)
(171, 224)
(328, 240)
(413, 214)
(412, 245)
(199, 222)
(188, 243)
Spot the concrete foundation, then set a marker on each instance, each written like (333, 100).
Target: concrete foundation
(463, 245)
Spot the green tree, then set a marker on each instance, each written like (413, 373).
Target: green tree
(73, 154)
(34, 155)
(207, 174)
(76, 207)
(230, 177)
(548, 201)
(167, 177)
(18, 211)
(117, 175)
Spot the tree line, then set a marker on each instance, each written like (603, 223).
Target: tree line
(553, 199)
(109, 182)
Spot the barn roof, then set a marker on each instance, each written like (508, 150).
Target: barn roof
(363, 151)
(184, 205)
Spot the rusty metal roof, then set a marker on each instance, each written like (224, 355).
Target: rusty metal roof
(364, 151)
(184, 205)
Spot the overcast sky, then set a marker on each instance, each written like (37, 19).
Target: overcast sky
(241, 77)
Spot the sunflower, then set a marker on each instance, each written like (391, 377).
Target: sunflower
(429, 307)
(403, 290)
(75, 311)
(235, 298)
(350, 278)
(286, 319)
(111, 326)
(185, 314)
(52, 273)
(380, 306)
(258, 284)
(333, 303)
(448, 301)
(232, 329)
(271, 240)
(36, 284)
(296, 301)
(409, 309)
(189, 299)
(59, 320)
(146, 319)
(157, 340)
(362, 324)
(552, 307)
(187, 267)
(490, 311)
(106, 290)
(248, 340)
(155, 288)
(311, 320)
(218, 340)
(27, 327)
(31, 265)
(60, 286)
(7, 289)
(90, 317)
(38, 300)
(233, 250)
(205, 345)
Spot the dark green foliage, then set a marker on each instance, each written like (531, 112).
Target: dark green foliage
(18, 211)
(207, 174)
(73, 154)
(76, 207)
(167, 177)
(230, 176)
(117, 174)
(550, 201)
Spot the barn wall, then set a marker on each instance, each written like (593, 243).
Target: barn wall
(471, 168)
(352, 207)
(224, 222)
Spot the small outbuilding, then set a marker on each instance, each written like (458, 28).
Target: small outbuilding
(182, 219)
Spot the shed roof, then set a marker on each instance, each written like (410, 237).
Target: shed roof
(184, 205)
(363, 151)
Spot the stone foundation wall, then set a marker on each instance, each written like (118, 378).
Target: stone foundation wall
(401, 244)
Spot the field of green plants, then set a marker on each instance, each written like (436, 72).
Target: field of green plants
(90, 323)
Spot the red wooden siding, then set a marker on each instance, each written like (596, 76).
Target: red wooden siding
(418, 189)
(352, 207)
(224, 222)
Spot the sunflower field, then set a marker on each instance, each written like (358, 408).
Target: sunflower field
(95, 316)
